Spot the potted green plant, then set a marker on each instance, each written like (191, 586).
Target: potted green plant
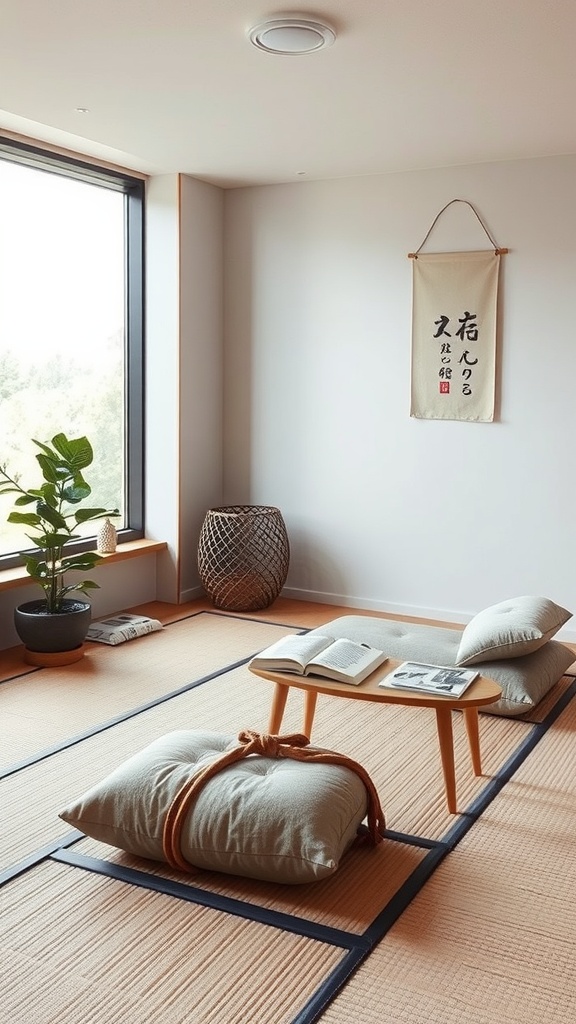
(58, 622)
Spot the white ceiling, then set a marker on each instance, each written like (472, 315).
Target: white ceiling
(175, 85)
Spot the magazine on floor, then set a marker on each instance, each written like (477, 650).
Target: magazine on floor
(119, 628)
(343, 660)
(437, 679)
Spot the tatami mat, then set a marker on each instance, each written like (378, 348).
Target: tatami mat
(76, 947)
(487, 940)
(44, 707)
(366, 881)
(490, 938)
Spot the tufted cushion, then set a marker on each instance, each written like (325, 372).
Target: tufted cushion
(510, 629)
(524, 680)
(273, 819)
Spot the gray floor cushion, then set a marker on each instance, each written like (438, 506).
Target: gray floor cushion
(270, 818)
(525, 680)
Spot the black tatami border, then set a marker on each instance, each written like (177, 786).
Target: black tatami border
(358, 946)
(214, 901)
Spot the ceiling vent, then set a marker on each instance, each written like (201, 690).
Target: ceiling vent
(292, 36)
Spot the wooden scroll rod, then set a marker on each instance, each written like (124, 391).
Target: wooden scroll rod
(497, 250)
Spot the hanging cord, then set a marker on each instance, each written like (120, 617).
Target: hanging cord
(267, 746)
(497, 250)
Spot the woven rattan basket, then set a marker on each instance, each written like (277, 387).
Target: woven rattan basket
(243, 556)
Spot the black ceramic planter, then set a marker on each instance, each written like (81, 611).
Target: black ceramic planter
(47, 632)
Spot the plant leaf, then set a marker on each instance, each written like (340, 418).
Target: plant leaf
(49, 469)
(83, 515)
(25, 518)
(53, 516)
(78, 492)
(83, 560)
(52, 541)
(76, 452)
(84, 586)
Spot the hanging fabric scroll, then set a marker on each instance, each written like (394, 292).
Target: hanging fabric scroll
(454, 322)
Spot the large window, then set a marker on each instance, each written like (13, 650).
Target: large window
(71, 323)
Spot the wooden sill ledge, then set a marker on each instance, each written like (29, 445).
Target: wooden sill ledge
(18, 577)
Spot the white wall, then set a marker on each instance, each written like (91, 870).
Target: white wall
(201, 343)
(383, 511)
(183, 372)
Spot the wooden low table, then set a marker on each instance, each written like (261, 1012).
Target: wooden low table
(482, 691)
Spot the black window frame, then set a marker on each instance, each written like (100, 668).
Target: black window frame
(134, 190)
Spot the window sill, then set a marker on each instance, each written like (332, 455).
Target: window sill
(18, 577)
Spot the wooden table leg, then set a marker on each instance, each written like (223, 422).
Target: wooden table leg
(277, 710)
(446, 741)
(309, 709)
(471, 720)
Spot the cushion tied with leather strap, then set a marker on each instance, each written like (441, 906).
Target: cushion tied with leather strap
(292, 746)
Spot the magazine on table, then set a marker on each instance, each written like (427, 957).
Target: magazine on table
(345, 661)
(119, 628)
(437, 679)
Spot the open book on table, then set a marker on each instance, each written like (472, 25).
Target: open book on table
(313, 655)
(438, 679)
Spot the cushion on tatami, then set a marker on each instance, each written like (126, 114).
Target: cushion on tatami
(270, 818)
(510, 629)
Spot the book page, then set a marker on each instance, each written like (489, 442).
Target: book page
(294, 648)
(345, 654)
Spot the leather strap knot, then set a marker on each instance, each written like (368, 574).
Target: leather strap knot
(292, 746)
(268, 745)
